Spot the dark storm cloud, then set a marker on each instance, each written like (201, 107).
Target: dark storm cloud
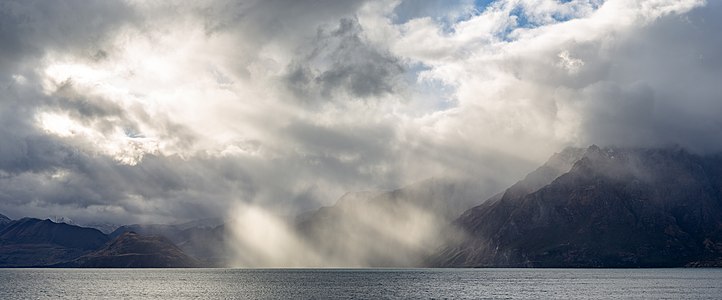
(341, 60)
(272, 19)
(661, 87)
(448, 11)
(365, 70)
(30, 28)
(161, 189)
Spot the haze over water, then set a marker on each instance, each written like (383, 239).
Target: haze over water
(360, 283)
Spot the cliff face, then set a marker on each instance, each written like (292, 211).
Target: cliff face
(614, 208)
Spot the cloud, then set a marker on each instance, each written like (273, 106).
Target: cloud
(342, 61)
(662, 86)
(33, 28)
(445, 12)
(591, 76)
(135, 111)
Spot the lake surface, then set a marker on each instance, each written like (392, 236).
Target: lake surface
(360, 283)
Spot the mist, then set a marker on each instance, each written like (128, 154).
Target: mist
(398, 228)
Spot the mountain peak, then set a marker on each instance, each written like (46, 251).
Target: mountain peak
(4, 219)
(61, 219)
(558, 164)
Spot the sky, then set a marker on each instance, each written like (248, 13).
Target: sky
(127, 111)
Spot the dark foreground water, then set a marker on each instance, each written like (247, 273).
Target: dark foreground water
(360, 283)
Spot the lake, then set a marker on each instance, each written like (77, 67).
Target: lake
(360, 283)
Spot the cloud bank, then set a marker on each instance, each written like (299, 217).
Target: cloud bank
(135, 111)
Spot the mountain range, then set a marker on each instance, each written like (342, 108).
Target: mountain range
(30, 242)
(593, 207)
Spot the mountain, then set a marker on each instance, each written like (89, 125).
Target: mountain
(132, 250)
(613, 208)
(201, 239)
(34, 242)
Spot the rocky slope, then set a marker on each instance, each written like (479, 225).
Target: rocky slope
(614, 208)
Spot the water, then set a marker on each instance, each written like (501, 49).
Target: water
(360, 283)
